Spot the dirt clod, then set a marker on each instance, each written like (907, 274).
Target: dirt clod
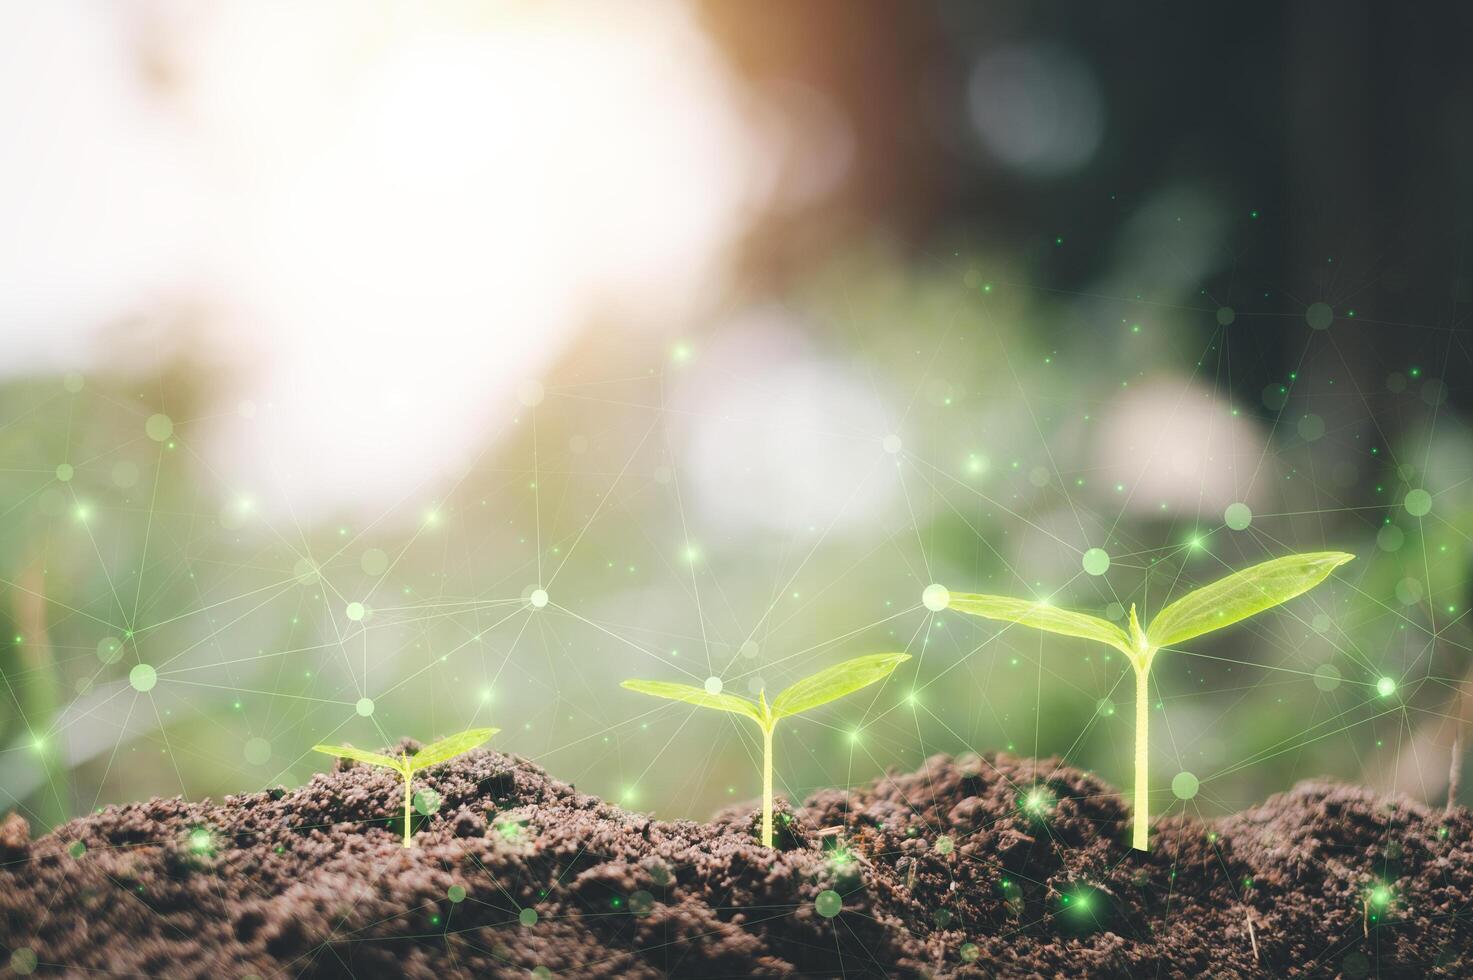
(975, 867)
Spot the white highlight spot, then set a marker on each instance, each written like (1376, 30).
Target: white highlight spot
(936, 597)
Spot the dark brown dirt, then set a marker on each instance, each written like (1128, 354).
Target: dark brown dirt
(943, 872)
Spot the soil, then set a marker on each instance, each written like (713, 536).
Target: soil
(969, 867)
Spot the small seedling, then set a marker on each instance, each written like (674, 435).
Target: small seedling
(1224, 602)
(821, 688)
(407, 765)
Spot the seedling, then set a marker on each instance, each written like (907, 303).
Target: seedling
(821, 688)
(407, 765)
(1224, 602)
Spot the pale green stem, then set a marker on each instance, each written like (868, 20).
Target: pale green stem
(767, 785)
(408, 781)
(1142, 815)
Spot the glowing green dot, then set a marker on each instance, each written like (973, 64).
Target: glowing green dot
(159, 427)
(1418, 502)
(1386, 687)
(527, 917)
(77, 849)
(828, 903)
(1390, 538)
(944, 845)
(1184, 785)
(1311, 427)
(538, 598)
(23, 960)
(355, 611)
(109, 649)
(375, 561)
(143, 677)
(1380, 895)
(713, 685)
(1319, 316)
(427, 802)
(935, 597)
(456, 894)
(969, 952)
(1225, 315)
(364, 706)
(1037, 800)
(1327, 677)
(1096, 561)
(641, 903)
(200, 841)
(64, 472)
(1238, 516)
(257, 751)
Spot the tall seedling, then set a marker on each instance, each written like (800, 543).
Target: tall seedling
(1224, 602)
(407, 765)
(821, 688)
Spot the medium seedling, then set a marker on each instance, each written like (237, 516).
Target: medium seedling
(821, 688)
(1224, 602)
(407, 765)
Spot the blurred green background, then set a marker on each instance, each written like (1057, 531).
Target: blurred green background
(987, 290)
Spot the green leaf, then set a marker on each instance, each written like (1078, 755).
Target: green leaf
(359, 755)
(448, 748)
(1042, 616)
(835, 682)
(1242, 594)
(1137, 635)
(697, 696)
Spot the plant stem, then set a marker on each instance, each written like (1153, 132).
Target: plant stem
(766, 786)
(1141, 818)
(408, 781)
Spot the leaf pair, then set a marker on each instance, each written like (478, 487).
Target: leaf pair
(1226, 601)
(811, 692)
(820, 688)
(433, 754)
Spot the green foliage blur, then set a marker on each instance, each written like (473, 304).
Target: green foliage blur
(1032, 426)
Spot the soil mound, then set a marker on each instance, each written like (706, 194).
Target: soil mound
(972, 867)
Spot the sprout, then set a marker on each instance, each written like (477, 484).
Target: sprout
(1224, 602)
(819, 689)
(407, 765)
